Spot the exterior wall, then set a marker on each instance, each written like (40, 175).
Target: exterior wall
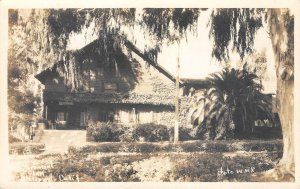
(131, 114)
(167, 118)
(55, 84)
(184, 109)
(142, 114)
(151, 81)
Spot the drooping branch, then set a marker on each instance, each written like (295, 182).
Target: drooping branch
(170, 24)
(238, 26)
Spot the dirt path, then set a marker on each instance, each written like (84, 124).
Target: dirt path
(57, 141)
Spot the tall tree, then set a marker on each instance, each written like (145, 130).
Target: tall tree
(224, 28)
(23, 62)
(281, 26)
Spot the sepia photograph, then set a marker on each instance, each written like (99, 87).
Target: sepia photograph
(150, 94)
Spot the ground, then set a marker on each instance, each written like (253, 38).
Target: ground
(137, 162)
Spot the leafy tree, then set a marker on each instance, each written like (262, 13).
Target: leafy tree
(23, 63)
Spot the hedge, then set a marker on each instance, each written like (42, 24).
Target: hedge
(26, 148)
(190, 146)
(103, 132)
(150, 132)
(111, 132)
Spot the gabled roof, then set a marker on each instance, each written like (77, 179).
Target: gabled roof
(196, 83)
(162, 70)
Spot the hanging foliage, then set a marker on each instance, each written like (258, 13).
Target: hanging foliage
(170, 24)
(238, 26)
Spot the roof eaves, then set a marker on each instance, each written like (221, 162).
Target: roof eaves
(132, 47)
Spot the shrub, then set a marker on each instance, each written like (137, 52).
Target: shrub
(218, 147)
(103, 132)
(121, 173)
(70, 166)
(274, 145)
(13, 139)
(198, 168)
(185, 167)
(184, 133)
(109, 147)
(194, 146)
(147, 148)
(26, 148)
(128, 134)
(205, 167)
(152, 132)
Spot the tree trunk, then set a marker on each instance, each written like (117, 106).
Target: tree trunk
(282, 36)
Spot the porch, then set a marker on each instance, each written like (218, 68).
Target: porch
(65, 116)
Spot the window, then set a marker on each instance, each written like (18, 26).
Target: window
(106, 116)
(60, 116)
(143, 117)
(100, 72)
(110, 87)
(92, 75)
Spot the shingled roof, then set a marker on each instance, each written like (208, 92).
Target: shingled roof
(113, 98)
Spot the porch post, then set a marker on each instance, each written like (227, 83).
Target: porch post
(46, 112)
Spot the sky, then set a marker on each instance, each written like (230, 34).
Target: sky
(194, 52)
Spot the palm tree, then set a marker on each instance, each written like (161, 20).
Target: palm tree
(233, 102)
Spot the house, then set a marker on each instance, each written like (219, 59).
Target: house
(128, 89)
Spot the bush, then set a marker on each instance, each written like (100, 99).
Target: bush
(274, 145)
(185, 167)
(184, 133)
(128, 134)
(147, 148)
(205, 167)
(103, 132)
(26, 148)
(13, 139)
(121, 173)
(152, 133)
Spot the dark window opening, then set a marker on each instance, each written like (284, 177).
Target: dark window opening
(110, 87)
(106, 116)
